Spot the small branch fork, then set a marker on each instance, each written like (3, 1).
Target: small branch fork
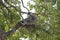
(24, 6)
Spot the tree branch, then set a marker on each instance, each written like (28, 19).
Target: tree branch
(24, 6)
(2, 34)
(14, 29)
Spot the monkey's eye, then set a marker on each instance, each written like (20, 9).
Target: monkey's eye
(22, 22)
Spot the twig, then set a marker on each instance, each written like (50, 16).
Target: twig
(24, 6)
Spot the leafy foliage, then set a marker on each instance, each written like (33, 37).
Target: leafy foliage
(47, 25)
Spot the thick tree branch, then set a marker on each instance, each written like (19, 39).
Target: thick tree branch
(2, 34)
(19, 24)
(14, 29)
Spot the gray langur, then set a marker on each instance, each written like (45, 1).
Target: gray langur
(30, 20)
